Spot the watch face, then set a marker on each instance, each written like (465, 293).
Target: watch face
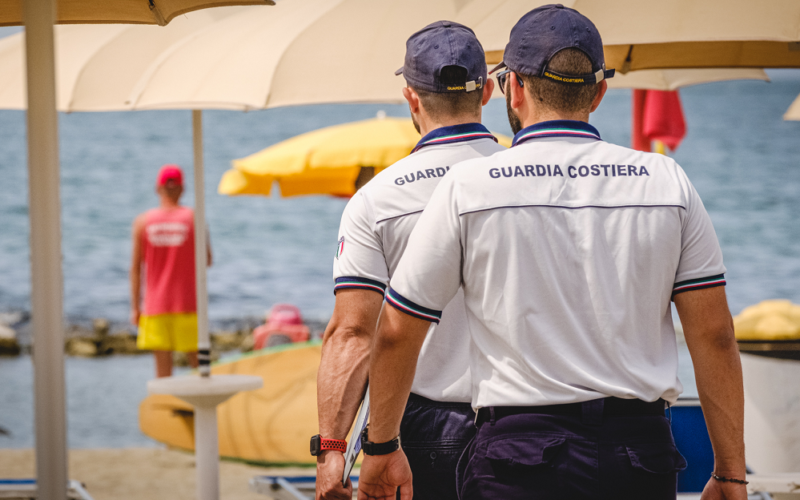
(316, 444)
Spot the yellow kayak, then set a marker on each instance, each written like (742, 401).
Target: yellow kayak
(271, 425)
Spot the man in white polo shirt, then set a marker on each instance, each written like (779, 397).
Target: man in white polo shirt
(445, 69)
(569, 251)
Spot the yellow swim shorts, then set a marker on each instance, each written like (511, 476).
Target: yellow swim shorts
(168, 332)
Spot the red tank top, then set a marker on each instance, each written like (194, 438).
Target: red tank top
(168, 244)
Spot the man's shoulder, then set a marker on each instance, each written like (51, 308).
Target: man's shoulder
(406, 185)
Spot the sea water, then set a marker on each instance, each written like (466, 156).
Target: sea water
(743, 159)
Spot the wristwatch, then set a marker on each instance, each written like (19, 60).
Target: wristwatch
(320, 444)
(371, 448)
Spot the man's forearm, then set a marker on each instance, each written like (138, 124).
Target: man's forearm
(341, 380)
(392, 366)
(708, 329)
(718, 371)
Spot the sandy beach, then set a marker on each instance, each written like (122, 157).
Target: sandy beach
(143, 473)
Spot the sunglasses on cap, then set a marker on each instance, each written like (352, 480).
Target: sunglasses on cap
(502, 78)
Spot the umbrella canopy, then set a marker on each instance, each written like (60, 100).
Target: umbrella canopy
(39, 16)
(158, 12)
(793, 113)
(98, 66)
(217, 58)
(673, 79)
(770, 328)
(769, 320)
(650, 34)
(332, 160)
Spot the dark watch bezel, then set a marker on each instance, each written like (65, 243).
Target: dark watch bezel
(373, 449)
(316, 445)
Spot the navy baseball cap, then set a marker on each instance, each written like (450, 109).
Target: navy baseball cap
(441, 44)
(542, 33)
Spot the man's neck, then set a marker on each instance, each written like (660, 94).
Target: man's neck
(167, 203)
(427, 126)
(549, 115)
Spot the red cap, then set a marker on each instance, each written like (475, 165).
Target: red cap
(170, 173)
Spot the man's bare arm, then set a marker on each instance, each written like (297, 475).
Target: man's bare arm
(136, 269)
(391, 372)
(342, 378)
(708, 328)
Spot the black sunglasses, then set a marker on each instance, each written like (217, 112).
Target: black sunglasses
(502, 77)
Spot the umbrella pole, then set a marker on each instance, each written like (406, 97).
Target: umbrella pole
(45, 240)
(200, 249)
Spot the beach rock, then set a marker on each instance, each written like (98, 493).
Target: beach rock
(81, 346)
(101, 326)
(120, 343)
(13, 317)
(8, 341)
(226, 341)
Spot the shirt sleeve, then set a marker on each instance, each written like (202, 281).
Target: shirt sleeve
(429, 273)
(700, 263)
(359, 261)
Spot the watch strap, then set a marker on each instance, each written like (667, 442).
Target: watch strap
(371, 448)
(320, 444)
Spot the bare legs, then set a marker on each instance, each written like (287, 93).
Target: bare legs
(164, 362)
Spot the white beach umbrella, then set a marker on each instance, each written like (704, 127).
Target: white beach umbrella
(673, 79)
(793, 113)
(38, 16)
(652, 34)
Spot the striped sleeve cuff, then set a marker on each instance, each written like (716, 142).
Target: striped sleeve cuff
(403, 304)
(356, 282)
(699, 283)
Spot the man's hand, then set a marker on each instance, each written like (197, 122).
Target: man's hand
(381, 475)
(330, 467)
(135, 314)
(717, 490)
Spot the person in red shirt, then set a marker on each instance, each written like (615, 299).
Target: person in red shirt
(163, 247)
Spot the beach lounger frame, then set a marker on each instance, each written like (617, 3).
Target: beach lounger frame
(26, 489)
(289, 487)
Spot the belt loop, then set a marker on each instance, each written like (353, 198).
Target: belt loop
(491, 415)
(669, 411)
(592, 411)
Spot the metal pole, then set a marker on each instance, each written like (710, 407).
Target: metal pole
(200, 250)
(206, 451)
(46, 279)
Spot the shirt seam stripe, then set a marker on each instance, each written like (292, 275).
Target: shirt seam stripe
(398, 216)
(570, 208)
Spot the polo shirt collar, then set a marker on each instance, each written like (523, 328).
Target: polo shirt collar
(454, 133)
(556, 128)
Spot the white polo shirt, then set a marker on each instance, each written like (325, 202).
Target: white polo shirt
(375, 228)
(569, 250)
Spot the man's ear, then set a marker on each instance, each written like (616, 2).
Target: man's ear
(487, 92)
(517, 92)
(601, 91)
(413, 99)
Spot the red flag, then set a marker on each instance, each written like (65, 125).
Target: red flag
(657, 116)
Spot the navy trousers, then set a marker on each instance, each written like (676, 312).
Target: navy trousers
(434, 434)
(571, 457)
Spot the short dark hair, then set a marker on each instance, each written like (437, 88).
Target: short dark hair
(449, 104)
(560, 96)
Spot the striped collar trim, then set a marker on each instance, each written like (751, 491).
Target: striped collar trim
(454, 133)
(556, 128)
